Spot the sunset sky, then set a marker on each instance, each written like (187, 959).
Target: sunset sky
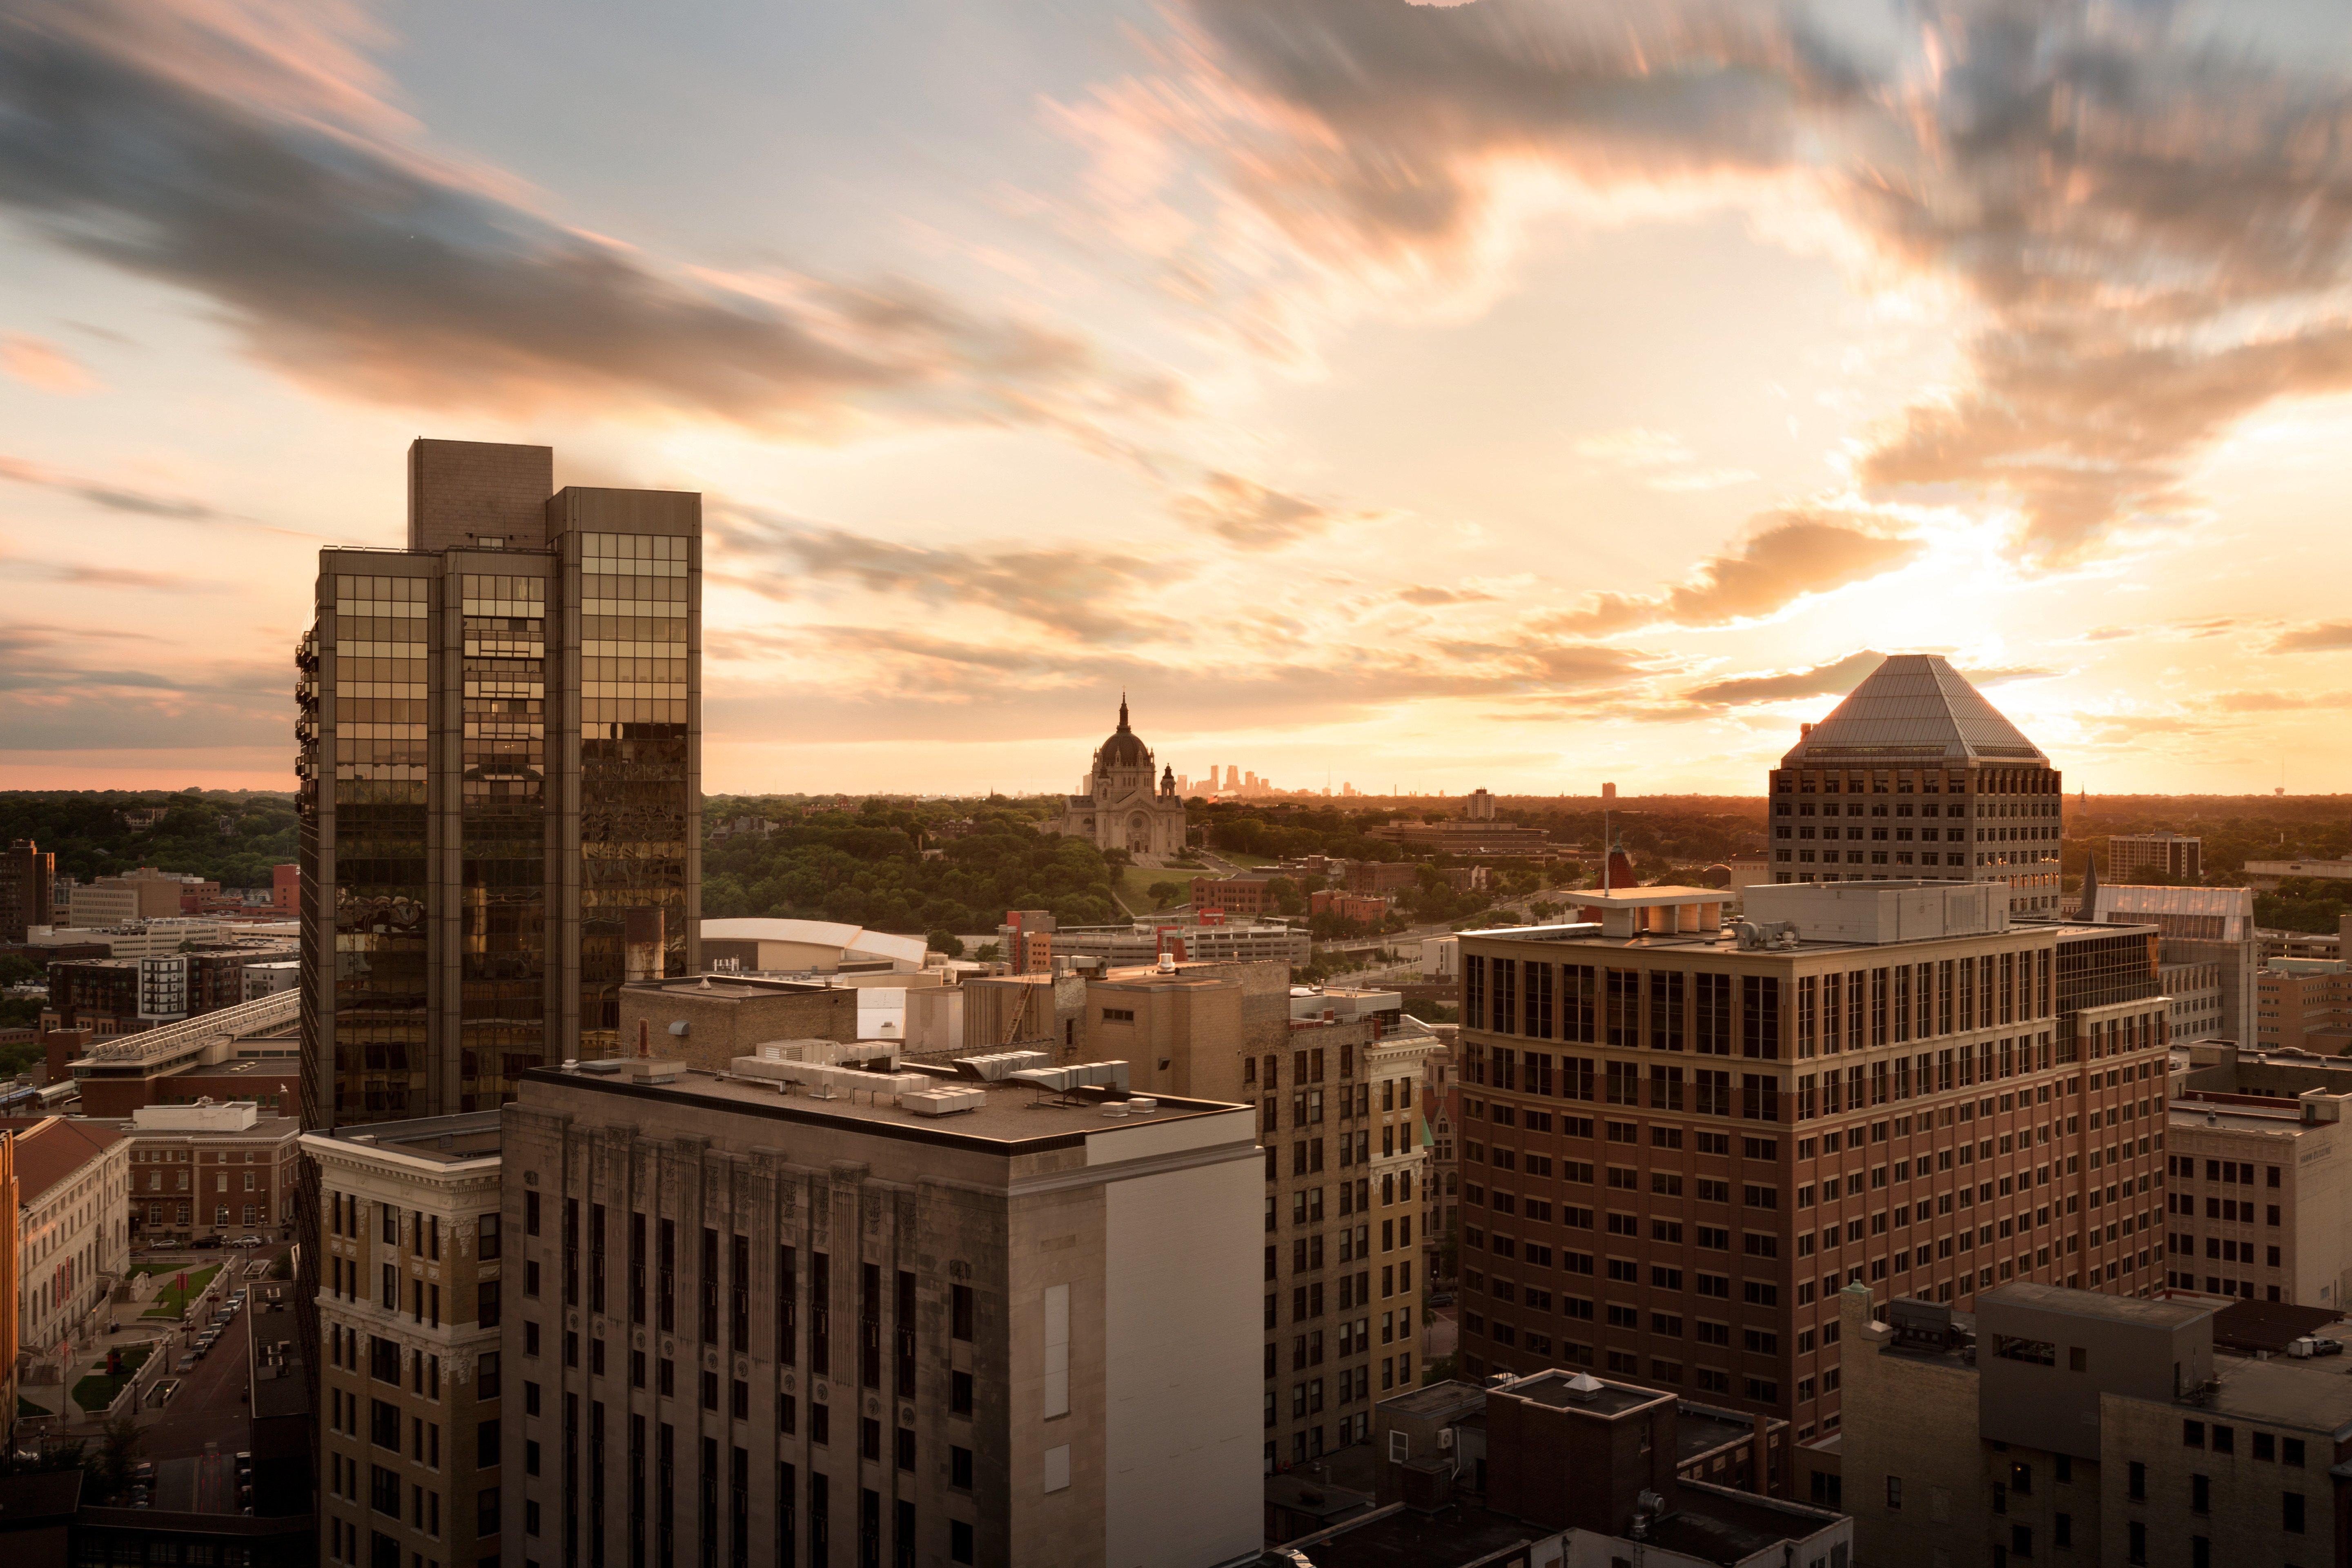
(1514, 395)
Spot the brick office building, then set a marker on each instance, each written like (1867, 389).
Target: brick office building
(1676, 1146)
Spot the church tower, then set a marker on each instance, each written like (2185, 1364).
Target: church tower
(1121, 804)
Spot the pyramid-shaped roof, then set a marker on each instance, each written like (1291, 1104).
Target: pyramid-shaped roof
(1913, 707)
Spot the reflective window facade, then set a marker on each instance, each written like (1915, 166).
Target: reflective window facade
(501, 801)
(637, 796)
(502, 861)
(374, 907)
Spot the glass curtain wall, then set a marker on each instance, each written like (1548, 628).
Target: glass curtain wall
(634, 809)
(379, 901)
(503, 891)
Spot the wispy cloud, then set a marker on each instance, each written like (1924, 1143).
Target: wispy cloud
(1069, 595)
(1662, 459)
(2321, 636)
(1251, 516)
(37, 363)
(1793, 554)
(274, 184)
(2155, 233)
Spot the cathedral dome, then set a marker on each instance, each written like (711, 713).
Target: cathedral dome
(1125, 749)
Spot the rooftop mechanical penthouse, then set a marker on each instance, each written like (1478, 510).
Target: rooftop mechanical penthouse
(1677, 1143)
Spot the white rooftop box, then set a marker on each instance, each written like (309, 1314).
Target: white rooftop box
(1873, 914)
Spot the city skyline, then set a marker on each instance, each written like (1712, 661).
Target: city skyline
(1598, 413)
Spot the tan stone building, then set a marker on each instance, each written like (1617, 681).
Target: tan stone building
(1339, 1120)
(792, 1315)
(410, 1309)
(2259, 1177)
(211, 1169)
(2077, 1426)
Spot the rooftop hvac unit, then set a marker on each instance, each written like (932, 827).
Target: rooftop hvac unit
(997, 1065)
(943, 1102)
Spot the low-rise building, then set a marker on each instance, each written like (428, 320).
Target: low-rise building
(251, 1051)
(1200, 940)
(1365, 909)
(2304, 1004)
(1346, 1004)
(2074, 1426)
(73, 1226)
(1232, 895)
(2269, 874)
(213, 1168)
(1564, 1468)
(410, 1307)
(710, 1020)
(2259, 1177)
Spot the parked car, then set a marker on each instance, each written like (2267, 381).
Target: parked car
(185, 1364)
(204, 1241)
(2310, 1346)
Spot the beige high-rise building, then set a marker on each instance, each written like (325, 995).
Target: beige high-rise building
(796, 1312)
(1339, 1108)
(409, 1315)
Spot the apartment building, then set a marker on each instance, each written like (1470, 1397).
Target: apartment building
(412, 1450)
(11, 1243)
(790, 1314)
(2304, 1004)
(28, 873)
(1233, 895)
(1924, 779)
(2132, 856)
(73, 1241)
(211, 1169)
(2260, 1200)
(499, 782)
(1678, 1144)
(2079, 1426)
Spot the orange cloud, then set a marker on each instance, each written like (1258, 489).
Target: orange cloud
(37, 363)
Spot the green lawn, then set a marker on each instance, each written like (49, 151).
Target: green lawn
(171, 1299)
(1134, 883)
(96, 1391)
(25, 1407)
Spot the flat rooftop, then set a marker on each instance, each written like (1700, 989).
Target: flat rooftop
(1406, 1539)
(2091, 1304)
(1015, 1117)
(727, 987)
(2314, 1395)
(1581, 1391)
(447, 1139)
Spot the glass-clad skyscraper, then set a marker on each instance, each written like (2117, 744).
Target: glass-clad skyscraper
(500, 782)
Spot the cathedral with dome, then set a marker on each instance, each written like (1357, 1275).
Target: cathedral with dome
(1123, 806)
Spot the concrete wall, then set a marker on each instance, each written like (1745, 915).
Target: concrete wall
(1912, 1420)
(1181, 1380)
(722, 1026)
